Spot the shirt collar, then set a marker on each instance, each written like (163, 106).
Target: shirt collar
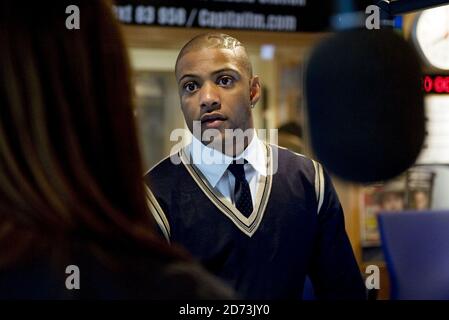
(255, 154)
(213, 164)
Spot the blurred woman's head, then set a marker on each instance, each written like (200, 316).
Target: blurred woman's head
(69, 157)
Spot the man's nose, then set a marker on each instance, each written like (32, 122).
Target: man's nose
(209, 96)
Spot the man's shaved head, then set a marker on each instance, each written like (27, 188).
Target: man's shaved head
(217, 89)
(217, 41)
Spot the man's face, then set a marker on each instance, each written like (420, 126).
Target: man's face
(216, 89)
(393, 202)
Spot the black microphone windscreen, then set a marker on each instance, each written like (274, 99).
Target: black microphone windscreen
(365, 104)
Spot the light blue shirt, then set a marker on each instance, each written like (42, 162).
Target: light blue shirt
(213, 165)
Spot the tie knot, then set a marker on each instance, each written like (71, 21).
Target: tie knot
(237, 169)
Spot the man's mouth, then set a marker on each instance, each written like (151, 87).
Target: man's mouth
(212, 120)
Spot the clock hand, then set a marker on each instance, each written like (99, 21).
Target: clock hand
(444, 37)
(447, 22)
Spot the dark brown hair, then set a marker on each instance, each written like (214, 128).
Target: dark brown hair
(69, 159)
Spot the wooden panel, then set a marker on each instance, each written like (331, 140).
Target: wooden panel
(174, 38)
(348, 194)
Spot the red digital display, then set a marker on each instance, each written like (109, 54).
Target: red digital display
(436, 84)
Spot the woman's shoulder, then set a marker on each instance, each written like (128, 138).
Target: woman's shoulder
(190, 281)
(140, 274)
(111, 276)
(157, 278)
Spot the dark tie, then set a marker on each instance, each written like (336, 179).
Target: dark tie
(242, 193)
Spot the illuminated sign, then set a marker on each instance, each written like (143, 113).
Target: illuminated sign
(436, 84)
(257, 15)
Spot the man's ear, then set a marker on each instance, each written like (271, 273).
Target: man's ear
(255, 90)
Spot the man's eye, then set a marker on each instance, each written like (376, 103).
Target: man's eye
(190, 86)
(225, 81)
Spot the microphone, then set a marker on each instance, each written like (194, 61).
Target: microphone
(365, 104)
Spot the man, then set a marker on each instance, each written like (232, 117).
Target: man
(260, 229)
(392, 196)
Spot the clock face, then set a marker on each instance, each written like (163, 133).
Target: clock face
(432, 35)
